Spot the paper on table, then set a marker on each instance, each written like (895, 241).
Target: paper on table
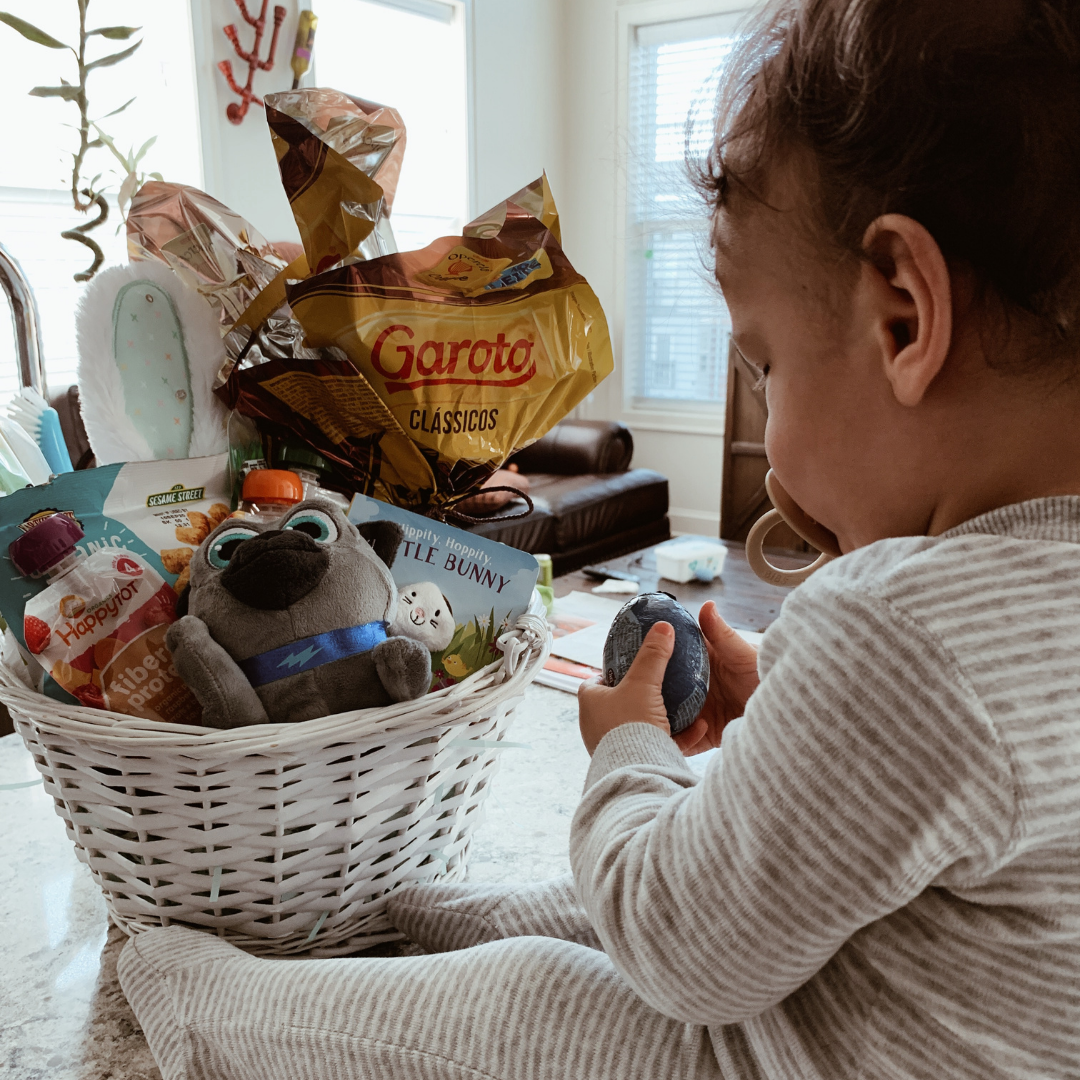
(586, 606)
(564, 674)
(584, 646)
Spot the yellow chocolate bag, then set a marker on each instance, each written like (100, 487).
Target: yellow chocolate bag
(477, 344)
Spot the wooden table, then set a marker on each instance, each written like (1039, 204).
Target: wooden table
(743, 600)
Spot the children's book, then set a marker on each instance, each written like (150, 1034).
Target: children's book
(486, 586)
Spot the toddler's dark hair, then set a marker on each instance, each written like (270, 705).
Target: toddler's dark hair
(962, 114)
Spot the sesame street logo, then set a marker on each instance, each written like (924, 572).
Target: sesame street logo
(175, 495)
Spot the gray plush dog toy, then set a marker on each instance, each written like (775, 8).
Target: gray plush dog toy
(285, 621)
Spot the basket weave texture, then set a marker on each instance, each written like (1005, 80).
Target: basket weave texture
(284, 838)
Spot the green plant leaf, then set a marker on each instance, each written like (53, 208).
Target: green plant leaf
(112, 148)
(31, 32)
(116, 111)
(94, 144)
(68, 93)
(145, 146)
(127, 189)
(114, 33)
(113, 58)
(157, 176)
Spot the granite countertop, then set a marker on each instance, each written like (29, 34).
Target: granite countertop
(62, 1013)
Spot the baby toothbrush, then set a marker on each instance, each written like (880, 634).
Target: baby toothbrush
(12, 475)
(42, 422)
(26, 450)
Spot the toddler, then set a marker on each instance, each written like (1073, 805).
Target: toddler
(879, 875)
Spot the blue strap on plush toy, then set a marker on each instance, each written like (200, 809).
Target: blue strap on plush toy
(312, 652)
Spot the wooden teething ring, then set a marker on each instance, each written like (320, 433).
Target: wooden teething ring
(788, 512)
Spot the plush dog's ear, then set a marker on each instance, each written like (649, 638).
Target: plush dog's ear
(384, 537)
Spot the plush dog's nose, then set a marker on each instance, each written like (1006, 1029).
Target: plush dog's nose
(274, 570)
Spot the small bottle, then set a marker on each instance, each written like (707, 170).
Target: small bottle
(546, 576)
(312, 468)
(98, 627)
(245, 453)
(268, 493)
(305, 42)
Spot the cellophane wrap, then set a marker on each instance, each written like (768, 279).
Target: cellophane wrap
(210, 248)
(340, 159)
(476, 345)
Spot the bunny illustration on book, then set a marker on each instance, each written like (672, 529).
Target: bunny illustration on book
(424, 614)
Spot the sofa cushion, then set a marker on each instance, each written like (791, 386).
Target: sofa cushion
(535, 533)
(590, 506)
(574, 511)
(579, 446)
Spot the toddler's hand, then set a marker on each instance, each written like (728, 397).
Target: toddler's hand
(733, 677)
(637, 699)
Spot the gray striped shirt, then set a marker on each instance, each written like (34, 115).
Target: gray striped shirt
(879, 875)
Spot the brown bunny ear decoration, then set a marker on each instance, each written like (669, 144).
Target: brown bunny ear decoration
(384, 537)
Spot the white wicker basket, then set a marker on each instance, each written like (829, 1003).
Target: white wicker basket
(282, 838)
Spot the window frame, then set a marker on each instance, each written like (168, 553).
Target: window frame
(682, 417)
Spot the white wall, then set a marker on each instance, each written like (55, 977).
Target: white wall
(239, 166)
(517, 98)
(686, 449)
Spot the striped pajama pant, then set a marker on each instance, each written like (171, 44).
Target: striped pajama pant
(515, 987)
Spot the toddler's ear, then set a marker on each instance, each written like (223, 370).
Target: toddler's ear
(910, 292)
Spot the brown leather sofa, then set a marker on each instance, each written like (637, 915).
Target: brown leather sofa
(589, 505)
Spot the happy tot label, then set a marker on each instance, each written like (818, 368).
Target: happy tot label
(100, 633)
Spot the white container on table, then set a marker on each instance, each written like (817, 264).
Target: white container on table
(690, 560)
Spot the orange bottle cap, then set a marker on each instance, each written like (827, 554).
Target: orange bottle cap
(273, 486)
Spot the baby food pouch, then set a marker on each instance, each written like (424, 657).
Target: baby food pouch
(157, 512)
(99, 626)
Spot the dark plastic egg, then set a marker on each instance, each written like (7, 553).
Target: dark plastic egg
(686, 681)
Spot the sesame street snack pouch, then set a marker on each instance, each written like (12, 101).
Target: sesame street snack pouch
(98, 628)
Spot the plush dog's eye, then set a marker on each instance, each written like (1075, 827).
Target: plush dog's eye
(224, 546)
(319, 526)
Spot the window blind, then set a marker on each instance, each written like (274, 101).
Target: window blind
(30, 225)
(677, 327)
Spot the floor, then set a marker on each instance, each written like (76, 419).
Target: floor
(62, 1014)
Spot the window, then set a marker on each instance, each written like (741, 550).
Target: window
(35, 168)
(677, 326)
(412, 59)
